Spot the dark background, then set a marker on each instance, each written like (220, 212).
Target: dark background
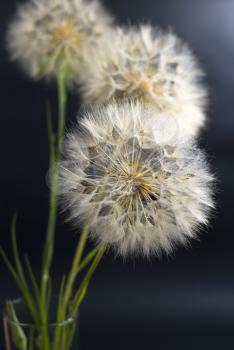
(182, 302)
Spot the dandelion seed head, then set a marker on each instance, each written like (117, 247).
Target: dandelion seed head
(148, 64)
(141, 187)
(46, 35)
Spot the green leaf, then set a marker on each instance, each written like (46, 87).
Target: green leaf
(31, 338)
(17, 273)
(33, 279)
(48, 297)
(87, 259)
(79, 296)
(75, 266)
(58, 330)
(20, 272)
(18, 264)
(18, 336)
(10, 267)
(60, 300)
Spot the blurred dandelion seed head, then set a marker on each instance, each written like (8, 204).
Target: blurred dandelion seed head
(130, 173)
(46, 35)
(149, 64)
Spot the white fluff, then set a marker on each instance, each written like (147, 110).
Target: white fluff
(148, 64)
(48, 34)
(129, 173)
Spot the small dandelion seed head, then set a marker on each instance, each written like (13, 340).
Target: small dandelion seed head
(148, 64)
(131, 175)
(46, 35)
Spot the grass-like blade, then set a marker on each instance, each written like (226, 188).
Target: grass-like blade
(75, 267)
(18, 336)
(33, 279)
(87, 259)
(18, 264)
(79, 296)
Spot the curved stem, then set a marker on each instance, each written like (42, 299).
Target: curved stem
(85, 282)
(79, 296)
(55, 155)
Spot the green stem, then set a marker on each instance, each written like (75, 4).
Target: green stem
(68, 287)
(18, 336)
(31, 338)
(42, 307)
(25, 292)
(79, 296)
(49, 245)
(55, 155)
(75, 267)
(85, 282)
(62, 101)
(42, 294)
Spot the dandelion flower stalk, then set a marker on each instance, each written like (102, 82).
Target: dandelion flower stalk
(69, 301)
(56, 155)
(50, 39)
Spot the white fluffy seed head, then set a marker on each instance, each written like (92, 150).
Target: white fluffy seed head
(147, 63)
(46, 35)
(129, 173)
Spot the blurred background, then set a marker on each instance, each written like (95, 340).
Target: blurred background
(185, 301)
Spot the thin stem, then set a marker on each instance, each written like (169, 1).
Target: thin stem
(75, 266)
(55, 155)
(84, 284)
(62, 100)
(18, 336)
(70, 335)
(58, 329)
(87, 259)
(79, 296)
(42, 307)
(42, 294)
(25, 292)
(31, 338)
(49, 245)
(67, 288)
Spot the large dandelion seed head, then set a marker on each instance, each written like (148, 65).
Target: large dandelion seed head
(48, 35)
(130, 175)
(147, 64)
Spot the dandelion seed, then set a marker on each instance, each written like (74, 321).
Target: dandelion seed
(131, 175)
(151, 65)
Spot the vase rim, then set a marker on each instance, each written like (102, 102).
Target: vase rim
(62, 323)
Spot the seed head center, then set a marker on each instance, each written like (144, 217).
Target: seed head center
(135, 182)
(66, 31)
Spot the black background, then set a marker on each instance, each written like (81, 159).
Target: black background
(182, 302)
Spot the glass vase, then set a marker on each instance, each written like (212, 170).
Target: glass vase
(21, 333)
